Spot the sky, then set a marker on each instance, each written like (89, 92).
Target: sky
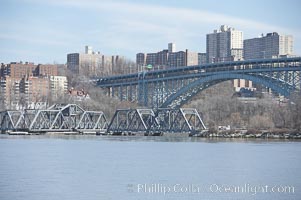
(45, 31)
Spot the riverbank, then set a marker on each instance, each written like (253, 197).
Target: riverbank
(253, 133)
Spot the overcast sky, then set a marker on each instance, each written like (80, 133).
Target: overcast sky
(44, 31)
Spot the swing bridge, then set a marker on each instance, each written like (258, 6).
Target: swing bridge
(72, 118)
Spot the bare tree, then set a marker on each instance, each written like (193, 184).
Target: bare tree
(218, 105)
(295, 111)
(261, 122)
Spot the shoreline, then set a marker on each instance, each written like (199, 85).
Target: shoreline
(252, 133)
(281, 134)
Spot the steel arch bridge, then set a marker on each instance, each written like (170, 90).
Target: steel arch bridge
(175, 86)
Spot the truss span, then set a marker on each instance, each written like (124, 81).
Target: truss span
(57, 118)
(151, 122)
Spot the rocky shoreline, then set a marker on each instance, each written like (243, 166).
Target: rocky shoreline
(252, 133)
(271, 134)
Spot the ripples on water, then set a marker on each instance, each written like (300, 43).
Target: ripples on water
(113, 167)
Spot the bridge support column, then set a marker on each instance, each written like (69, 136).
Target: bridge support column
(142, 90)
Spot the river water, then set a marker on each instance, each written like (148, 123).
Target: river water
(103, 168)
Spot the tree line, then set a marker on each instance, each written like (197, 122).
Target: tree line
(218, 106)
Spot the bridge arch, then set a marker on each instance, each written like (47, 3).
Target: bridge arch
(209, 81)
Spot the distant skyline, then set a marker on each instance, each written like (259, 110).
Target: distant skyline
(45, 31)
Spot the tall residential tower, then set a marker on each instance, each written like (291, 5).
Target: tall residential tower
(225, 44)
(270, 46)
(93, 63)
(167, 58)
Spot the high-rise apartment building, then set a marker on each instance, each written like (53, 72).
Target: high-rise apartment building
(192, 58)
(92, 63)
(88, 63)
(225, 44)
(177, 59)
(47, 70)
(151, 59)
(270, 46)
(88, 50)
(35, 89)
(25, 84)
(58, 86)
(2, 70)
(167, 58)
(171, 47)
(202, 58)
(140, 59)
(162, 56)
(19, 70)
(10, 91)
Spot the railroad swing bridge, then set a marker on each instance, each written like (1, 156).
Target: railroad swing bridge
(57, 118)
(151, 122)
(175, 86)
(73, 118)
